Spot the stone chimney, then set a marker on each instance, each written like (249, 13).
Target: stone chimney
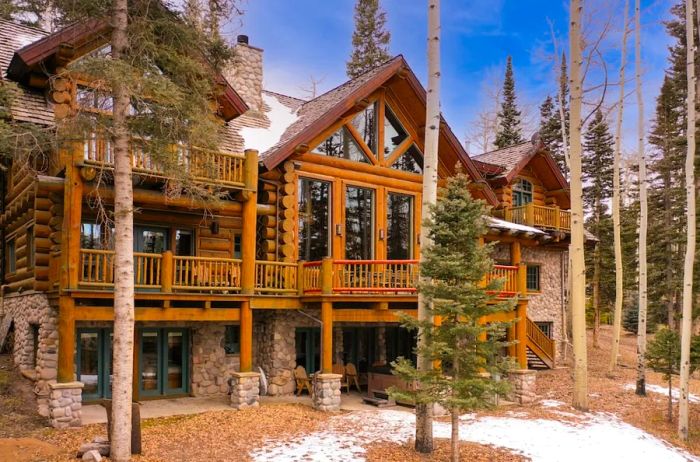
(245, 72)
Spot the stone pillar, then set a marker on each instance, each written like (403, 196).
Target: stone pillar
(326, 396)
(522, 383)
(381, 345)
(65, 403)
(245, 390)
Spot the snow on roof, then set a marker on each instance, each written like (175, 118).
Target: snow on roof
(498, 223)
(280, 117)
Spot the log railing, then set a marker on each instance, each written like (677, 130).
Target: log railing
(311, 277)
(539, 216)
(97, 269)
(275, 277)
(543, 344)
(375, 276)
(206, 273)
(509, 276)
(202, 165)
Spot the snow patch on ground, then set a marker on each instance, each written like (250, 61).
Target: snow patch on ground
(675, 392)
(592, 437)
(551, 403)
(280, 116)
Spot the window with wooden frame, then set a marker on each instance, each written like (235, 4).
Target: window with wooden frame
(10, 256)
(533, 277)
(30, 246)
(522, 192)
(547, 327)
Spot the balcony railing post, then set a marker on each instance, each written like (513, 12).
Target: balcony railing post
(557, 218)
(249, 222)
(326, 280)
(530, 214)
(300, 278)
(522, 279)
(508, 214)
(166, 272)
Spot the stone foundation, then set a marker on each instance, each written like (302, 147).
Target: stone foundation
(65, 404)
(523, 386)
(35, 349)
(211, 366)
(245, 390)
(326, 396)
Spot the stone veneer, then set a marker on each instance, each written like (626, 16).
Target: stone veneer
(211, 366)
(28, 310)
(326, 395)
(65, 404)
(547, 304)
(523, 386)
(245, 390)
(245, 74)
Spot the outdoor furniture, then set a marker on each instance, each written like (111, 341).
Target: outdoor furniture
(351, 376)
(302, 380)
(340, 370)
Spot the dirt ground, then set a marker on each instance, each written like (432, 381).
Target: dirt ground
(230, 435)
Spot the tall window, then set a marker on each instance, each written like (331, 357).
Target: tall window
(95, 236)
(232, 340)
(314, 219)
(399, 226)
(10, 256)
(359, 223)
(522, 193)
(30, 247)
(533, 278)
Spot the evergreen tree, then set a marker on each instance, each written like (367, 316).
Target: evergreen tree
(468, 351)
(370, 40)
(598, 158)
(664, 356)
(550, 126)
(551, 119)
(509, 131)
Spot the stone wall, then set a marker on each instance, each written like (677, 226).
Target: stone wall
(211, 366)
(245, 74)
(32, 314)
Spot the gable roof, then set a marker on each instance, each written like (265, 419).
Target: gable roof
(81, 38)
(29, 105)
(503, 165)
(318, 114)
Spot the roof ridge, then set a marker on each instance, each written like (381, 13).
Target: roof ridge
(301, 100)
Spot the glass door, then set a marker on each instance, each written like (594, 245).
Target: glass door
(359, 223)
(308, 348)
(163, 361)
(94, 362)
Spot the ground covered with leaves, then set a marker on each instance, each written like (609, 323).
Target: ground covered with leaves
(468, 451)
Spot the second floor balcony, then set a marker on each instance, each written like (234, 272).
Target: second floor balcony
(538, 216)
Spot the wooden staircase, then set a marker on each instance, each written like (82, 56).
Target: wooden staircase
(540, 348)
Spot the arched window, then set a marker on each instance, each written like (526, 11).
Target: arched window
(522, 193)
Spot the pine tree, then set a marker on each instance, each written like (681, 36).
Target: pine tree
(468, 350)
(664, 356)
(550, 126)
(509, 131)
(598, 178)
(370, 40)
(552, 111)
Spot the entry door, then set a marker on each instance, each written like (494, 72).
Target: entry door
(163, 361)
(94, 362)
(308, 348)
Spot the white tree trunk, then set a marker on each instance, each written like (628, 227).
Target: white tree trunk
(687, 317)
(123, 346)
(578, 266)
(619, 289)
(424, 420)
(641, 158)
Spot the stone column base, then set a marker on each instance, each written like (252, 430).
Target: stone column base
(522, 386)
(245, 390)
(65, 404)
(326, 396)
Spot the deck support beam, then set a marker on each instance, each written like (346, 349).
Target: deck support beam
(246, 337)
(326, 337)
(66, 339)
(521, 310)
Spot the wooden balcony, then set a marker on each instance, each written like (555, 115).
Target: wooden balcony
(205, 166)
(539, 216)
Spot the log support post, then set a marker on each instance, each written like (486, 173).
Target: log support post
(521, 310)
(557, 218)
(166, 273)
(326, 337)
(72, 203)
(326, 277)
(300, 278)
(66, 339)
(248, 238)
(530, 214)
(246, 337)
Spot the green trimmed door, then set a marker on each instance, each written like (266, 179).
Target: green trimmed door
(163, 361)
(93, 358)
(308, 348)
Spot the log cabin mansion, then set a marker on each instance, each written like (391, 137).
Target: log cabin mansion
(306, 262)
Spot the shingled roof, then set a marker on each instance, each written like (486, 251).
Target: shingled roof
(508, 158)
(29, 105)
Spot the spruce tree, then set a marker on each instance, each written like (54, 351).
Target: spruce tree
(468, 350)
(664, 357)
(551, 113)
(550, 125)
(509, 130)
(370, 40)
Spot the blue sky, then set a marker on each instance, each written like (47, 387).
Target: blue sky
(304, 38)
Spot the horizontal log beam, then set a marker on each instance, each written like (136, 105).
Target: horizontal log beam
(100, 313)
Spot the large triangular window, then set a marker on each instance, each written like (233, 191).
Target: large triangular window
(341, 144)
(365, 122)
(410, 161)
(394, 133)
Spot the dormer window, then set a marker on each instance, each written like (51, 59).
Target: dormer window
(522, 192)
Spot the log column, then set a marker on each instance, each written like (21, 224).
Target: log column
(246, 337)
(66, 339)
(248, 237)
(521, 310)
(326, 337)
(72, 201)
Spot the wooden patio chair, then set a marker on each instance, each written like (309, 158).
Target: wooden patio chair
(340, 370)
(302, 380)
(351, 376)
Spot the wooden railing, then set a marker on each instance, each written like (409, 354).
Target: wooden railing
(275, 277)
(540, 342)
(203, 165)
(206, 273)
(539, 216)
(375, 276)
(311, 277)
(509, 275)
(97, 269)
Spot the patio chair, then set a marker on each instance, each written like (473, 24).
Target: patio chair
(302, 380)
(352, 377)
(340, 370)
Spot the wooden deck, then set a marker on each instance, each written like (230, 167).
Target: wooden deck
(539, 216)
